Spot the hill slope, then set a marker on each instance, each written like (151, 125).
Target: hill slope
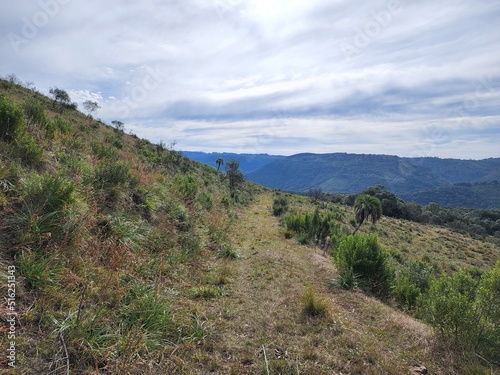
(260, 316)
(414, 178)
(126, 258)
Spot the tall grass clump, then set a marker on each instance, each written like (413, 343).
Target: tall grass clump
(312, 306)
(35, 113)
(40, 271)
(11, 119)
(113, 179)
(143, 307)
(311, 227)
(42, 216)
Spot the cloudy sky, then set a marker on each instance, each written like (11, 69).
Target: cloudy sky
(400, 77)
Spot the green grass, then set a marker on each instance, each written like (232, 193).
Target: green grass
(124, 255)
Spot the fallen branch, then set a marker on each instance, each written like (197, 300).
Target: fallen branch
(265, 358)
(61, 338)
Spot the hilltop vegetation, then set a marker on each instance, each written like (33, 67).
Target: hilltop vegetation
(129, 258)
(101, 227)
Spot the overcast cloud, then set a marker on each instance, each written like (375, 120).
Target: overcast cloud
(403, 77)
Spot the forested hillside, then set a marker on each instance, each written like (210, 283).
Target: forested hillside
(248, 162)
(449, 182)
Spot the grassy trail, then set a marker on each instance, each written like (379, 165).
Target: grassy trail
(260, 326)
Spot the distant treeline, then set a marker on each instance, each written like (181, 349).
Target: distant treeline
(479, 222)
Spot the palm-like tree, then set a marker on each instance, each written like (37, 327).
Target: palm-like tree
(219, 162)
(367, 206)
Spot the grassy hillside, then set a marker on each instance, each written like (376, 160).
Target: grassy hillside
(120, 256)
(99, 229)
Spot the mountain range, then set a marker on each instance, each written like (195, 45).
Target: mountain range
(448, 182)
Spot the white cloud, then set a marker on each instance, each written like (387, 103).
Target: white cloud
(275, 76)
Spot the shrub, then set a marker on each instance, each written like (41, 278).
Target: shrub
(28, 151)
(280, 206)
(35, 113)
(466, 310)
(11, 120)
(410, 282)
(311, 226)
(361, 255)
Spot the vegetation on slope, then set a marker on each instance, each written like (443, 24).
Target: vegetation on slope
(130, 258)
(99, 229)
(463, 305)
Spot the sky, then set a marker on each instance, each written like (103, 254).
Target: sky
(401, 77)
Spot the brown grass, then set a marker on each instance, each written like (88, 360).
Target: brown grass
(263, 310)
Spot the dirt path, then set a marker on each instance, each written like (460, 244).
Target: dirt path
(266, 286)
(263, 313)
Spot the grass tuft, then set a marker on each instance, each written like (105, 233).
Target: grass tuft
(312, 306)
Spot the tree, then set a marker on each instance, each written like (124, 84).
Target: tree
(233, 173)
(315, 194)
(90, 106)
(367, 206)
(219, 162)
(60, 96)
(120, 126)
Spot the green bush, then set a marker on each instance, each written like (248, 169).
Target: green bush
(361, 257)
(466, 310)
(12, 120)
(28, 151)
(311, 227)
(188, 187)
(280, 206)
(410, 282)
(35, 113)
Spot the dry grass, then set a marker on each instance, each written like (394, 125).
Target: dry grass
(264, 311)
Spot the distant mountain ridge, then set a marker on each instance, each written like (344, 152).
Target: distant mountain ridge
(448, 182)
(248, 162)
(416, 179)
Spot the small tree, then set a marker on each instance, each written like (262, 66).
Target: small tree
(60, 96)
(90, 106)
(233, 173)
(367, 206)
(219, 162)
(120, 126)
(315, 194)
